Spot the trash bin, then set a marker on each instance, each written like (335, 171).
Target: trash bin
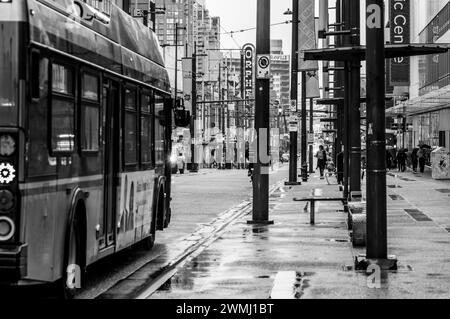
(440, 164)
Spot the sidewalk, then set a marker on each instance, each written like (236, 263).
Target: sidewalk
(256, 261)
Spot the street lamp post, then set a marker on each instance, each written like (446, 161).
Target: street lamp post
(262, 121)
(376, 130)
(293, 169)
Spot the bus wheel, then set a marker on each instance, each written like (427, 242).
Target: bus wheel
(149, 242)
(73, 268)
(168, 217)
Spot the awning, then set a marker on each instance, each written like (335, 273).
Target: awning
(340, 100)
(430, 102)
(359, 52)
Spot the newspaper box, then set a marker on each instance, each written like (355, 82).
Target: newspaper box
(440, 164)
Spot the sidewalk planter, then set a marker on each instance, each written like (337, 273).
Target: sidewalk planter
(357, 223)
(440, 164)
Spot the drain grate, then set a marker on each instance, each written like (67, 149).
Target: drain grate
(417, 215)
(396, 197)
(443, 191)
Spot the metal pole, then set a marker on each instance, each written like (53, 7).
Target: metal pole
(193, 165)
(311, 131)
(354, 111)
(376, 130)
(346, 134)
(262, 119)
(304, 131)
(293, 136)
(176, 64)
(339, 82)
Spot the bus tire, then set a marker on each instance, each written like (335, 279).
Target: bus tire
(168, 217)
(149, 242)
(73, 257)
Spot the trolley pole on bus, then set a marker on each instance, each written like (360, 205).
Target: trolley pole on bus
(376, 129)
(262, 117)
(293, 135)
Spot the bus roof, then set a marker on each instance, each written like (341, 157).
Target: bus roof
(121, 44)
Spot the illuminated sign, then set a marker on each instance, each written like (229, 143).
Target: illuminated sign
(400, 34)
(249, 50)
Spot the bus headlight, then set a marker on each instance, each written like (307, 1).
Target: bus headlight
(7, 229)
(7, 145)
(6, 201)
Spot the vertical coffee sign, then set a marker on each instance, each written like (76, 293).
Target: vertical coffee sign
(400, 34)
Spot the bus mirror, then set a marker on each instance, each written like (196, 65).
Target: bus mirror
(182, 117)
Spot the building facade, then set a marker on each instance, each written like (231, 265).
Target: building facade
(425, 117)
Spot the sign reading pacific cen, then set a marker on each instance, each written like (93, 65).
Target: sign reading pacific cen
(400, 34)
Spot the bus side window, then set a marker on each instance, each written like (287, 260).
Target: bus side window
(40, 162)
(90, 113)
(159, 131)
(130, 128)
(63, 109)
(35, 77)
(147, 132)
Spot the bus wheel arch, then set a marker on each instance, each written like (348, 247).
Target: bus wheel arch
(160, 206)
(74, 258)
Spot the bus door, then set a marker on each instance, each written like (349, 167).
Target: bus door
(111, 107)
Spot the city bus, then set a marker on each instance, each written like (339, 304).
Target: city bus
(85, 139)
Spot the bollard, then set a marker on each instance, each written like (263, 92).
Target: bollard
(305, 172)
(312, 212)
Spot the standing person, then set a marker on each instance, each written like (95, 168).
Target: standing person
(421, 156)
(388, 160)
(401, 160)
(415, 159)
(181, 154)
(321, 161)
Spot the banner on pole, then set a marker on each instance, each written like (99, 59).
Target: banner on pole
(187, 83)
(307, 34)
(312, 85)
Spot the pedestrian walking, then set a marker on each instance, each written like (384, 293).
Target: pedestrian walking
(321, 161)
(401, 160)
(388, 160)
(415, 159)
(422, 161)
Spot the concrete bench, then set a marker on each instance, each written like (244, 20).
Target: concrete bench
(312, 200)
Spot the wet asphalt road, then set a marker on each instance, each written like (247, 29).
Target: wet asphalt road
(197, 200)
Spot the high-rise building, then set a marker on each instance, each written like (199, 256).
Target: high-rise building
(280, 79)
